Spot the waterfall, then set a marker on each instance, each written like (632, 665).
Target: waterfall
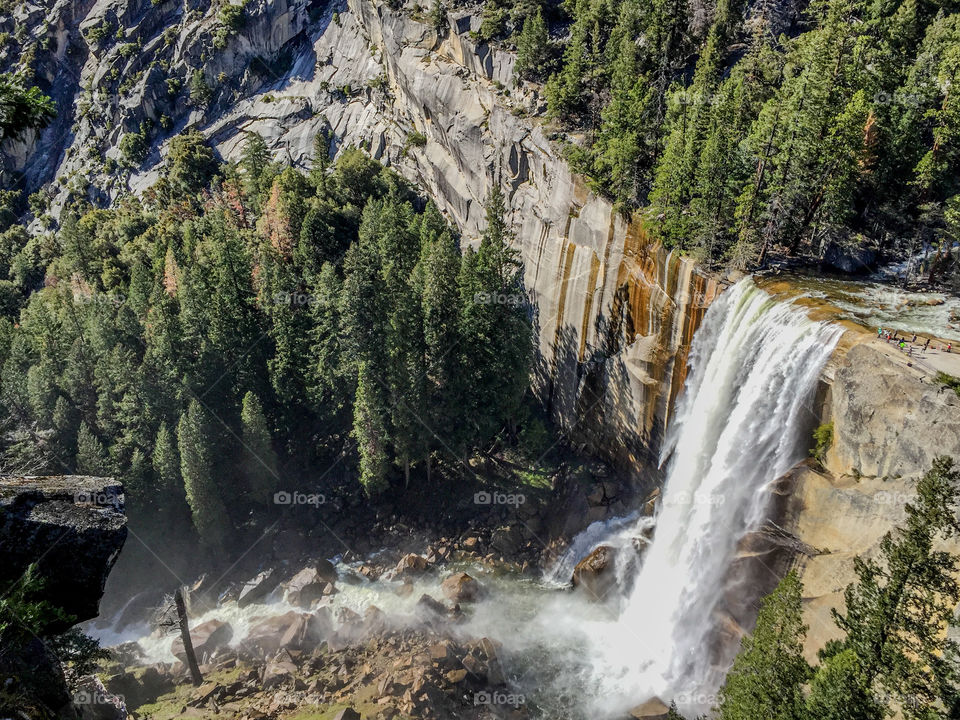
(743, 420)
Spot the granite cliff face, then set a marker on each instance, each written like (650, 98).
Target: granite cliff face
(614, 314)
(889, 421)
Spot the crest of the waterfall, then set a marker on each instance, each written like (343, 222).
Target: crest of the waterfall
(743, 420)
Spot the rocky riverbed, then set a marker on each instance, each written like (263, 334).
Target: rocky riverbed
(428, 627)
(381, 637)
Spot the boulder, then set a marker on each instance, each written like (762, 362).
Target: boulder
(443, 653)
(456, 676)
(292, 630)
(595, 572)
(430, 608)
(852, 259)
(305, 588)
(206, 692)
(653, 709)
(507, 540)
(602, 494)
(374, 621)
(306, 632)
(141, 686)
(66, 521)
(410, 565)
(40, 676)
(207, 638)
(369, 572)
(475, 666)
(94, 702)
(278, 672)
(257, 589)
(326, 571)
(347, 714)
(461, 587)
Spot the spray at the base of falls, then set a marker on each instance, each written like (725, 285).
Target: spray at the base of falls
(742, 421)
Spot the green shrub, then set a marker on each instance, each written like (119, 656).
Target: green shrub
(415, 139)
(823, 439)
(22, 615)
(134, 147)
(78, 651)
(39, 203)
(232, 17)
(99, 33)
(200, 92)
(949, 381)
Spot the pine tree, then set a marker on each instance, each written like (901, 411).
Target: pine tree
(254, 161)
(935, 173)
(199, 467)
(900, 605)
(839, 691)
(398, 247)
(441, 318)
(260, 467)
(724, 168)
(91, 456)
(566, 91)
(767, 677)
(626, 144)
(370, 430)
(497, 341)
(171, 502)
(675, 180)
(815, 142)
(200, 92)
(330, 381)
(367, 307)
(533, 47)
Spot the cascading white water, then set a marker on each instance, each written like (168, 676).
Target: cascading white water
(741, 422)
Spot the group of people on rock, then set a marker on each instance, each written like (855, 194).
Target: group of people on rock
(910, 346)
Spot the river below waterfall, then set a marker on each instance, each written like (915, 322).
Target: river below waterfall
(743, 419)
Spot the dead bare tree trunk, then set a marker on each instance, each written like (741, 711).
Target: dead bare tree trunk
(187, 642)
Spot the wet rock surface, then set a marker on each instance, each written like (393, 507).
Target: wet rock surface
(595, 574)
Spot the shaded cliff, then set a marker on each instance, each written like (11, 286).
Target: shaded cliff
(72, 527)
